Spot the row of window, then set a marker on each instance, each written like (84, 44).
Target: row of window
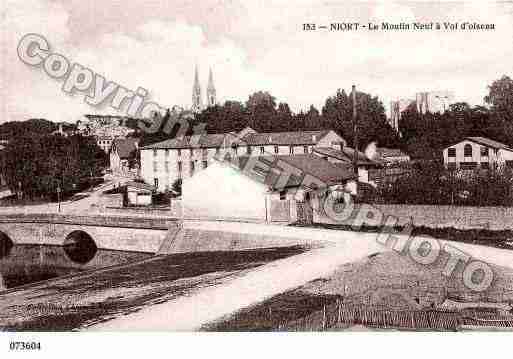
(468, 165)
(467, 151)
(180, 166)
(249, 150)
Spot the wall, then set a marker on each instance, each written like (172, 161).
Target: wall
(459, 217)
(223, 192)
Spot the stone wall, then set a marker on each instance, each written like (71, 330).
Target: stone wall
(116, 233)
(459, 217)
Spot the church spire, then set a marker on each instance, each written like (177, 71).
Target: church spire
(211, 90)
(196, 92)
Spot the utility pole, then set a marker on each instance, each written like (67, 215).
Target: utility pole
(355, 132)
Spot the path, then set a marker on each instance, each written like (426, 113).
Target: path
(189, 313)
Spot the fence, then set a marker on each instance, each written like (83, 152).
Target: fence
(339, 316)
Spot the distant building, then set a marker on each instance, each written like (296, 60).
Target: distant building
(477, 153)
(434, 101)
(164, 162)
(396, 109)
(391, 156)
(139, 194)
(121, 152)
(345, 157)
(197, 100)
(105, 129)
(431, 101)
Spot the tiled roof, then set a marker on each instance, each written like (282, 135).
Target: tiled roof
(490, 143)
(125, 146)
(205, 141)
(254, 139)
(307, 164)
(139, 185)
(285, 138)
(346, 155)
(390, 152)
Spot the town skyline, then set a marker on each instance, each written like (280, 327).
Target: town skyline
(256, 50)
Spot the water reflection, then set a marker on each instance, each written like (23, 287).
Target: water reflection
(24, 264)
(80, 247)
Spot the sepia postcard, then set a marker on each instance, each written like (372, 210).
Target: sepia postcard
(255, 166)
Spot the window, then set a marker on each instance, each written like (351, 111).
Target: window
(275, 149)
(467, 150)
(167, 152)
(205, 164)
(451, 152)
(166, 166)
(468, 165)
(191, 151)
(291, 150)
(484, 151)
(155, 166)
(179, 166)
(305, 149)
(248, 150)
(192, 167)
(218, 150)
(154, 152)
(179, 152)
(262, 150)
(485, 165)
(156, 182)
(283, 195)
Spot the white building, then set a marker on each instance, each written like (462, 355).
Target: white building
(259, 188)
(477, 152)
(164, 162)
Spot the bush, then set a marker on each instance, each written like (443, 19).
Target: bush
(431, 183)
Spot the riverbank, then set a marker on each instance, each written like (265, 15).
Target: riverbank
(383, 291)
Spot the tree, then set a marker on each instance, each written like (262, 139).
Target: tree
(337, 114)
(41, 163)
(261, 107)
(500, 97)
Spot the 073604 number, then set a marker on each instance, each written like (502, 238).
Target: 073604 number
(25, 346)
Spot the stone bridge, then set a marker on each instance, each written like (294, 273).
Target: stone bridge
(138, 234)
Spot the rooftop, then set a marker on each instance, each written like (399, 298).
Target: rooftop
(489, 143)
(307, 164)
(346, 155)
(250, 138)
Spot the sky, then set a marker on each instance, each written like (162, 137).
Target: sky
(250, 46)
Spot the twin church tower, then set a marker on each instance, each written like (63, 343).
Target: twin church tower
(197, 103)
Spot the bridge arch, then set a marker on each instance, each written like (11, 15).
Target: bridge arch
(80, 247)
(6, 245)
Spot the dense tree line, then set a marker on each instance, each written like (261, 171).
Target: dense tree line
(264, 113)
(38, 164)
